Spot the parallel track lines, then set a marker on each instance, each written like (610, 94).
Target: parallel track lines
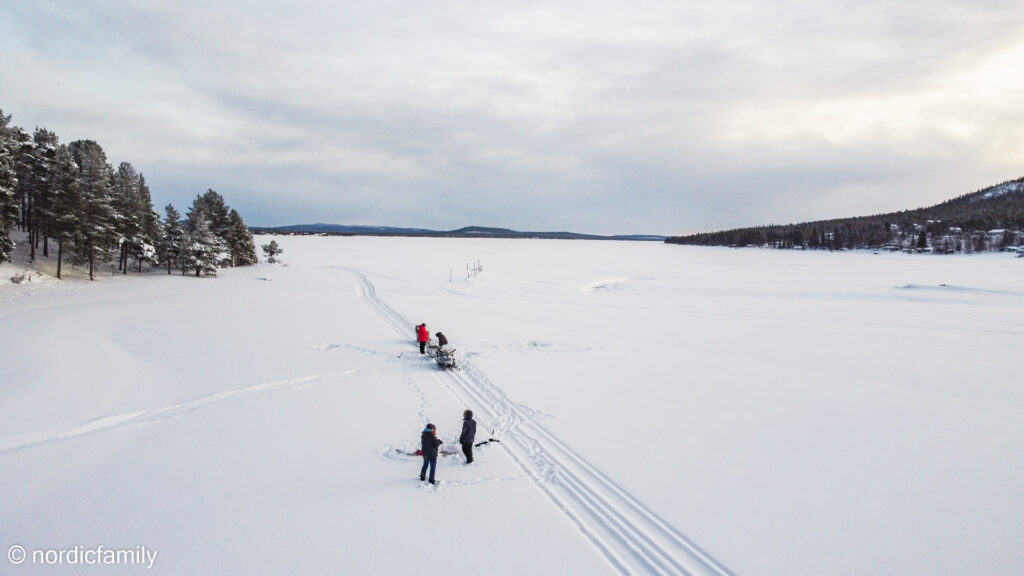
(633, 538)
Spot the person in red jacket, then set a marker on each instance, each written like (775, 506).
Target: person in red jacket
(422, 336)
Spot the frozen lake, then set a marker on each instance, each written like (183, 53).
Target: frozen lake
(661, 409)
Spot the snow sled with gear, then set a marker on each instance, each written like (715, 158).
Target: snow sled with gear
(444, 356)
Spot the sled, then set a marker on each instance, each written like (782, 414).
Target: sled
(446, 451)
(445, 358)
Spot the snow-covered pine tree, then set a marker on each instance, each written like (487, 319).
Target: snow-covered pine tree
(64, 218)
(271, 251)
(172, 246)
(151, 230)
(206, 249)
(138, 223)
(43, 162)
(8, 186)
(216, 210)
(97, 236)
(243, 247)
(125, 192)
(23, 169)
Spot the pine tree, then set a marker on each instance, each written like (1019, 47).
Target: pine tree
(134, 214)
(23, 169)
(8, 187)
(206, 250)
(138, 223)
(271, 251)
(226, 226)
(97, 236)
(43, 162)
(151, 230)
(172, 246)
(243, 247)
(123, 185)
(216, 210)
(64, 218)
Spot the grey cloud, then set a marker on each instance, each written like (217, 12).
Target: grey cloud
(660, 117)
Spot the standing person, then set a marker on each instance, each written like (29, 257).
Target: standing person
(422, 336)
(429, 443)
(468, 435)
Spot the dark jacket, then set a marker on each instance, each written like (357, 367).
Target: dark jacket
(430, 442)
(441, 340)
(468, 431)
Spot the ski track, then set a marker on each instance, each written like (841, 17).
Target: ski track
(164, 413)
(632, 537)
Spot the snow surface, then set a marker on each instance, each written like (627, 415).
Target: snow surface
(661, 409)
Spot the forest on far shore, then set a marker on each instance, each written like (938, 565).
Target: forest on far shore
(990, 219)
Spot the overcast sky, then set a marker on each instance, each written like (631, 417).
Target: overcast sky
(661, 117)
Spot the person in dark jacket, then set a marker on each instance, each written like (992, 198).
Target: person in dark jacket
(468, 435)
(422, 336)
(442, 340)
(429, 443)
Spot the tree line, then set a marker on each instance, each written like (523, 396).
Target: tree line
(988, 219)
(68, 195)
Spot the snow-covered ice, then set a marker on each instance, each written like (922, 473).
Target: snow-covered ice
(661, 409)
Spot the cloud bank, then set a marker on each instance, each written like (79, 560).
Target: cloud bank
(601, 117)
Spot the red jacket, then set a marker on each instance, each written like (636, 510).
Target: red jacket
(421, 333)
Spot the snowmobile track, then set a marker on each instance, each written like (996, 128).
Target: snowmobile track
(632, 537)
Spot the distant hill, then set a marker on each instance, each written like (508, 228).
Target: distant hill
(339, 229)
(468, 232)
(989, 219)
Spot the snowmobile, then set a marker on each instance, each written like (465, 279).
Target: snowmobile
(444, 356)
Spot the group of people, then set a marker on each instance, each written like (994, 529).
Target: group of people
(423, 337)
(428, 438)
(431, 443)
